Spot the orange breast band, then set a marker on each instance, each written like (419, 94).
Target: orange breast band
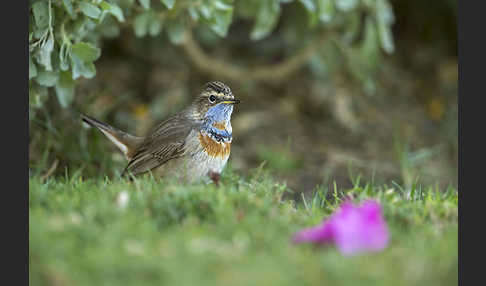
(214, 148)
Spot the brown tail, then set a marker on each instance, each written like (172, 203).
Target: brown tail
(125, 142)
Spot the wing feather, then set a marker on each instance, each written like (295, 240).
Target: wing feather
(165, 143)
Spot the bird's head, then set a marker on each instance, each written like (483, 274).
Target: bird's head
(215, 104)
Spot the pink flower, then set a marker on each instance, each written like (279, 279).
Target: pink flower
(352, 228)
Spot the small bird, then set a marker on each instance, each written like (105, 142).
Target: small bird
(192, 145)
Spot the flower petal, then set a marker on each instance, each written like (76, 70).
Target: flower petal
(318, 234)
(354, 229)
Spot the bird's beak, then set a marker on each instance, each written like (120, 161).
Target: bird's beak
(230, 101)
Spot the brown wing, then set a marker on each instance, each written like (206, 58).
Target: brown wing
(165, 143)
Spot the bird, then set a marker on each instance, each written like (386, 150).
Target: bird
(192, 145)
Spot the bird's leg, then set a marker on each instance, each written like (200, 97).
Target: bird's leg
(214, 177)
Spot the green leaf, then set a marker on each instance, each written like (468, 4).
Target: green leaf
(221, 21)
(386, 38)
(145, 4)
(364, 60)
(193, 13)
(109, 29)
(370, 43)
(155, 26)
(221, 5)
(353, 26)
(384, 19)
(85, 51)
(309, 5)
(68, 6)
(82, 56)
(205, 11)
(175, 31)
(247, 9)
(326, 10)
(266, 20)
(65, 89)
(90, 10)
(41, 14)
(346, 5)
(141, 24)
(82, 68)
(63, 56)
(384, 11)
(169, 3)
(113, 9)
(44, 56)
(47, 78)
(32, 68)
(37, 95)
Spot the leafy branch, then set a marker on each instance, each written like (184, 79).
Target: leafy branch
(65, 36)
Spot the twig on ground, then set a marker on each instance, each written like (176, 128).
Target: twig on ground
(51, 170)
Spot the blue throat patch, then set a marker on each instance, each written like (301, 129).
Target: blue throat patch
(216, 114)
(219, 113)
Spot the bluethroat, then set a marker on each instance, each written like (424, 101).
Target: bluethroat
(191, 145)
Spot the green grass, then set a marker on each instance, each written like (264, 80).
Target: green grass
(235, 234)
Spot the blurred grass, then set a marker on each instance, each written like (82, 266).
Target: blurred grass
(82, 232)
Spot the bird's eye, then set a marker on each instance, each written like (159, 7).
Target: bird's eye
(212, 98)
